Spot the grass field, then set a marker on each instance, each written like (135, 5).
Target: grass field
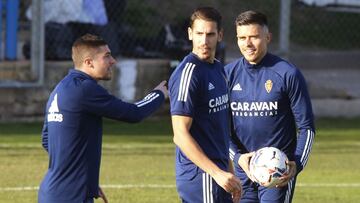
(137, 163)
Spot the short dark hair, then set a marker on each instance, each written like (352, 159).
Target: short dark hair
(208, 14)
(84, 45)
(251, 17)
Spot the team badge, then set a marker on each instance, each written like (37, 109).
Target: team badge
(268, 85)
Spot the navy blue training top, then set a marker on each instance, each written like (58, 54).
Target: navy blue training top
(72, 135)
(199, 90)
(269, 103)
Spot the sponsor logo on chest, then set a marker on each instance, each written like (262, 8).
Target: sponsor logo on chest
(255, 108)
(218, 103)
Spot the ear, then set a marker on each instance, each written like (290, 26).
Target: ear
(269, 37)
(88, 62)
(190, 33)
(221, 35)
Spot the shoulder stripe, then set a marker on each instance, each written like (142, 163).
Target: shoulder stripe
(188, 81)
(181, 81)
(185, 81)
(308, 147)
(149, 98)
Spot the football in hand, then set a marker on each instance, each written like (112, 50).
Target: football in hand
(268, 165)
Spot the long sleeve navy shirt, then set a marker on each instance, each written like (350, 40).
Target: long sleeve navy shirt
(72, 135)
(270, 106)
(199, 90)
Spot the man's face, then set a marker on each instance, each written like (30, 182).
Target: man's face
(205, 36)
(252, 41)
(102, 63)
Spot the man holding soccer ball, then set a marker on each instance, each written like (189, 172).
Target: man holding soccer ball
(270, 107)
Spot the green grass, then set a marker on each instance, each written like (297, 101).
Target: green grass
(137, 155)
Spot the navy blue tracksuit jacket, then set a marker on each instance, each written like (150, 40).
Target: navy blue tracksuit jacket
(72, 135)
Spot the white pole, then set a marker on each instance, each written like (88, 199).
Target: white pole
(37, 41)
(284, 29)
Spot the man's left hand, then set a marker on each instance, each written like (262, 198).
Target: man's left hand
(287, 177)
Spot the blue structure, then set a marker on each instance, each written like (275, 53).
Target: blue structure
(0, 28)
(12, 8)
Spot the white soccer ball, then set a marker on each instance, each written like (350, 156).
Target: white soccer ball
(268, 165)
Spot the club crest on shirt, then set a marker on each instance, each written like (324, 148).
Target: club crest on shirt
(268, 85)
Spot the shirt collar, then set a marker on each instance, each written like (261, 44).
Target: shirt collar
(79, 72)
(254, 66)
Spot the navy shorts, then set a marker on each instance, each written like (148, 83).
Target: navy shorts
(202, 189)
(254, 193)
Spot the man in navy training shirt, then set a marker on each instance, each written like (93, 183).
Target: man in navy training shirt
(200, 117)
(72, 132)
(270, 103)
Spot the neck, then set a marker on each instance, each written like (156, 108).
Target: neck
(208, 60)
(87, 72)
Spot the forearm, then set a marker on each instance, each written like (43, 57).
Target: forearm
(302, 109)
(236, 149)
(146, 106)
(188, 145)
(303, 148)
(136, 112)
(194, 152)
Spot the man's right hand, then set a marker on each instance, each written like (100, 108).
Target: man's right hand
(162, 87)
(228, 181)
(244, 163)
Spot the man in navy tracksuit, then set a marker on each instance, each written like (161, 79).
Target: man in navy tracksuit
(72, 132)
(200, 117)
(269, 103)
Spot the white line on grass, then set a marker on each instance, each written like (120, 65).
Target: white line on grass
(18, 188)
(328, 184)
(137, 186)
(158, 186)
(105, 146)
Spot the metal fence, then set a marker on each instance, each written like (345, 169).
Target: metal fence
(157, 28)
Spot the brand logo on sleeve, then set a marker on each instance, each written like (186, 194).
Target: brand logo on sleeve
(54, 114)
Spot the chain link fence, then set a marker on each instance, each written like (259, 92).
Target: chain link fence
(158, 29)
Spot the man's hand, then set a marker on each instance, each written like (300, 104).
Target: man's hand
(228, 181)
(102, 195)
(236, 196)
(287, 177)
(244, 163)
(162, 87)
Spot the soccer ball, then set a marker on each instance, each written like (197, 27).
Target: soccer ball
(268, 165)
